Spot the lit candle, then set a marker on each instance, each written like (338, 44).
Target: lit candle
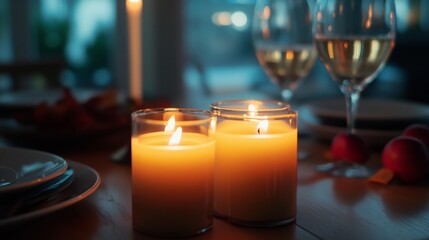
(256, 169)
(172, 180)
(134, 10)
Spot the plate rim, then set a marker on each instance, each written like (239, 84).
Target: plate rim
(89, 190)
(320, 131)
(311, 106)
(36, 181)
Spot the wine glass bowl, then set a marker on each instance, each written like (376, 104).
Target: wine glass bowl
(283, 42)
(354, 40)
(354, 61)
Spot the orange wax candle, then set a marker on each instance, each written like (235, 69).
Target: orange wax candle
(172, 185)
(255, 172)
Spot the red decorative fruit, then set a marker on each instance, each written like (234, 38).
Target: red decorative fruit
(350, 147)
(419, 131)
(407, 157)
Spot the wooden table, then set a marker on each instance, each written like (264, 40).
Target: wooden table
(328, 207)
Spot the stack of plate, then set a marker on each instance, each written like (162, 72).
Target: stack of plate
(377, 121)
(33, 183)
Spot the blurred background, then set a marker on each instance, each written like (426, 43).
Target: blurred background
(194, 51)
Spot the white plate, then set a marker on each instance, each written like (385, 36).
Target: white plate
(371, 109)
(86, 181)
(22, 168)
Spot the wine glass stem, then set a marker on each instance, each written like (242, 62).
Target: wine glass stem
(352, 101)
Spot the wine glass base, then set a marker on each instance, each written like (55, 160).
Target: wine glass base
(352, 171)
(344, 169)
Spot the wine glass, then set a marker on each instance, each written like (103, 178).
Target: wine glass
(354, 39)
(283, 42)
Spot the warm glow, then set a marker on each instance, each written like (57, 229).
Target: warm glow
(262, 127)
(375, 45)
(177, 135)
(171, 124)
(369, 20)
(331, 50)
(134, 12)
(238, 19)
(252, 110)
(134, 5)
(213, 125)
(264, 24)
(221, 18)
(357, 50)
(175, 138)
(266, 13)
(289, 55)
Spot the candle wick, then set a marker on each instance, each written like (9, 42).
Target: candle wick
(262, 127)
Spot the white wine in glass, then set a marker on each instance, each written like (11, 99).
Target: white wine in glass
(354, 39)
(283, 42)
(355, 59)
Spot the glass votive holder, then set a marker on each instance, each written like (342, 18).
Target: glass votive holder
(172, 158)
(256, 162)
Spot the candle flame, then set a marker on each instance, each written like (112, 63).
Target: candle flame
(262, 127)
(252, 110)
(175, 138)
(171, 124)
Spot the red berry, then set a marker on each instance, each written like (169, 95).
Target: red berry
(350, 147)
(419, 131)
(407, 157)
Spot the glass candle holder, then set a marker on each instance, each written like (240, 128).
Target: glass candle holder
(172, 156)
(256, 162)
